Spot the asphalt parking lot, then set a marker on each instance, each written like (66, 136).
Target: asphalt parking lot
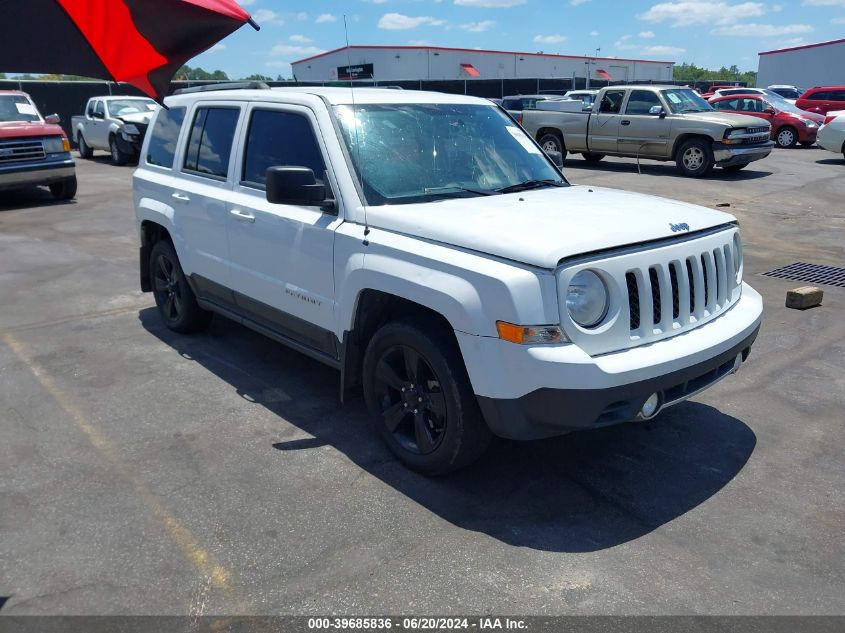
(143, 472)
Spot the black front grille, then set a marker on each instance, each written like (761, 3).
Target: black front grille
(633, 300)
(676, 298)
(655, 295)
(691, 286)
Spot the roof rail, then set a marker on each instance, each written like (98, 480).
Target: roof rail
(230, 85)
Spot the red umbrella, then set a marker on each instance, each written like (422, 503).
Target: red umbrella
(141, 42)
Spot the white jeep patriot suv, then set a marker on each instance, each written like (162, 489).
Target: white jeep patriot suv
(424, 245)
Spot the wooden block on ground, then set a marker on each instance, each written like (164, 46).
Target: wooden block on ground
(804, 297)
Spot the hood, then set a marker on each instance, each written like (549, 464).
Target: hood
(726, 118)
(22, 129)
(811, 116)
(138, 117)
(542, 227)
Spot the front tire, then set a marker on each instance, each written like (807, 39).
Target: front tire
(551, 142)
(117, 156)
(177, 304)
(417, 389)
(695, 158)
(82, 147)
(786, 137)
(64, 189)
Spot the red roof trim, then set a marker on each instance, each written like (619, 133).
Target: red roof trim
(476, 50)
(801, 48)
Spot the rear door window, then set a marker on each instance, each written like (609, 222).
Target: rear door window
(276, 139)
(164, 136)
(612, 101)
(210, 142)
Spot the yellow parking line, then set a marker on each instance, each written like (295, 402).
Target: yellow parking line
(205, 563)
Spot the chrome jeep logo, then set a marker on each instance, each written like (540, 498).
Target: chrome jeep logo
(677, 228)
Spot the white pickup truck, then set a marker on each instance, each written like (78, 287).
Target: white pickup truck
(114, 124)
(425, 246)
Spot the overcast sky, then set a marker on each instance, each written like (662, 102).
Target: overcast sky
(709, 34)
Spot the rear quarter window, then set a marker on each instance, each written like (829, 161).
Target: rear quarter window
(163, 137)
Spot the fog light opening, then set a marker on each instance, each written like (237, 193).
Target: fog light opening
(650, 408)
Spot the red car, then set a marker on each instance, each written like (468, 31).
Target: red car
(790, 125)
(822, 99)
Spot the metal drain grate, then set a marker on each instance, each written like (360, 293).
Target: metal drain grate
(812, 273)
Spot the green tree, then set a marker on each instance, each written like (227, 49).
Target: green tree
(258, 77)
(199, 74)
(691, 72)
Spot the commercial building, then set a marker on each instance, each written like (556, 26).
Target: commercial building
(821, 64)
(434, 63)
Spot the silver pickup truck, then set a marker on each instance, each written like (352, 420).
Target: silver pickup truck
(664, 123)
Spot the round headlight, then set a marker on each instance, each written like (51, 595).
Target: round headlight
(587, 299)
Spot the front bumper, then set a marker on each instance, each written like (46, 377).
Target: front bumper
(729, 155)
(47, 172)
(528, 392)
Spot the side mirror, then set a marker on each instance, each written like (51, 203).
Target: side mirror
(53, 119)
(557, 157)
(97, 115)
(769, 111)
(293, 185)
(657, 111)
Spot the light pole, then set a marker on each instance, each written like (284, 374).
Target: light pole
(591, 61)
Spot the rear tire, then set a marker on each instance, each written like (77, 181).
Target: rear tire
(695, 158)
(418, 392)
(82, 147)
(177, 304)
(64, 189)
(593, 158)
(551, 142)
(117, 156)
(786, 137)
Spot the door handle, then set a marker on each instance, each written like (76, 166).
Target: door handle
(626, 123)
(243, 216)
(181, 197)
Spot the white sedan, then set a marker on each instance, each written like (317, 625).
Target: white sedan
(831, 135)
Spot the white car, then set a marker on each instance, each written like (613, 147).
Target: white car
(831, 135)
(790, 93)
(426, 247)
(767, 92)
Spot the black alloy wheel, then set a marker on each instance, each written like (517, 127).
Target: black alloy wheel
(176, 302)
(167, 289)
(413, 406)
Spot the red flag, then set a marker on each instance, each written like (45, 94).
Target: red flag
(470, 70)
(604, 74)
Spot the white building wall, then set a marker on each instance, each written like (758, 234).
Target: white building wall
(816, 66)
(397, 64)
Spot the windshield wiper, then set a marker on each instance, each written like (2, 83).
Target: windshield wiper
(439, 191)
(530, 184)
